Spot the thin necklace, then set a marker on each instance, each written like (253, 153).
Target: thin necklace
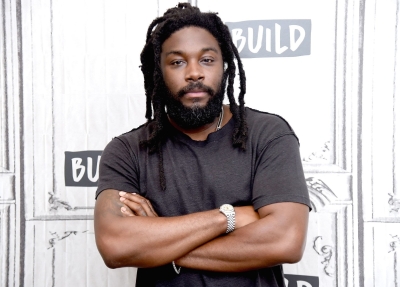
(221, 116)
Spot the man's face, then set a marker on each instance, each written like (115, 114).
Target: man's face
(192, 67)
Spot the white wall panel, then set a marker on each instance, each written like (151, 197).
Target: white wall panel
(317, 94)
(64, 253)
(8, 83)
(7, 244)
(380, 132)
(82, 77)
(312, 92)
(328, 253)
(382, 254)
(8, 92)
(82, 86)
(380, 139)
(74, 83)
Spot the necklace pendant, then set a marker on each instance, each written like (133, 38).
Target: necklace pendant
(221, 117)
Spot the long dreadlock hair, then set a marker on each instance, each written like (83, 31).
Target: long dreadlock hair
(160, 29)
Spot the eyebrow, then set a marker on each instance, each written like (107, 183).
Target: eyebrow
(210, 49)
(180, 52)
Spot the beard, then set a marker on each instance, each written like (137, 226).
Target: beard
(195, 116)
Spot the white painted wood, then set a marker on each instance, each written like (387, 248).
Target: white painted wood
(7, 186)
(317, 95)
(64, 253)
(8, 87)
(382, 254)
(379, 128)
(380, 138)
(327, 242)
(321, 80)
(82, 86)
(7, 244)
(8, 92)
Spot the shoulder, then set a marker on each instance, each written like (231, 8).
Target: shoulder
(132, 137)
(137, 134)
(266, 126)
(128, 142)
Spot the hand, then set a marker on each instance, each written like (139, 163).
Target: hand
(245, 215)
(136, 205)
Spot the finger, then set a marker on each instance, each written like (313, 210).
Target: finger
(145, 203)
(126, 211)
(151, 207)
(136, 208)
(138, 204)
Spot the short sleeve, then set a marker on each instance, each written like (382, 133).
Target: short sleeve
(118, 169)
(279, 175)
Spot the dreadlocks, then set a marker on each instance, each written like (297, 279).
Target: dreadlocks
(160, 29)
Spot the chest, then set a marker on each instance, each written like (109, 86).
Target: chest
(198, 178)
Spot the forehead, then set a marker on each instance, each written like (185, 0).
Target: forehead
(190, 39)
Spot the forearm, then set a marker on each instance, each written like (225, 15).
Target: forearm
(152, 241)
(261, 244)
(238, 251)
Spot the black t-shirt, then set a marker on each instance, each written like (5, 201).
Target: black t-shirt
(202, 175)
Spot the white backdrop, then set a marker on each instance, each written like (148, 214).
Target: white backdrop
(70, 81)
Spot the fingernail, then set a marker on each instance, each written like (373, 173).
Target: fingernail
(122, 198)
(122, 193)
(123, 209)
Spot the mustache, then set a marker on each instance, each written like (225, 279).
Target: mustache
(195, 86)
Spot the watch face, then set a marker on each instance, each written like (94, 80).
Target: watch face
(226, 207)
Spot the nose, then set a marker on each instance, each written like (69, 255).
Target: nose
(194, 72)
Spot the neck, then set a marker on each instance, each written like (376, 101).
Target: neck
(201, 133)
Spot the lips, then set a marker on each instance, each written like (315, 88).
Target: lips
(196, 93)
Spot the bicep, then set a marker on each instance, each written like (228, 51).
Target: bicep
(286, 213)
(289, 222)
(108, 206)
(107, 215)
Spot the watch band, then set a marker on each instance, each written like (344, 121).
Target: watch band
(229, 212)
(231, 222)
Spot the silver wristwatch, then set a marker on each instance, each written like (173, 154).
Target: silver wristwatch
(229, 212)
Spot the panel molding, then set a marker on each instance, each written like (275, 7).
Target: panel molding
(8, 83)
(346, 87)
(47, 91)
(344, 244)
(329, 248)
(64, 253)
(382, 254)
(9, 95)
(327, 252)
(380, 104)
(320, 193)
(7, 245)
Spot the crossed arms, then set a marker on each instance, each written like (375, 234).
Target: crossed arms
(129, 233)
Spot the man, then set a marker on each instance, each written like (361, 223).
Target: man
(204, 194)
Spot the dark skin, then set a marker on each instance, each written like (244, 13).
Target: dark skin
(128, 230)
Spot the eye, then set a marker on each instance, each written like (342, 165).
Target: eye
(207, 60)
(177, 62)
